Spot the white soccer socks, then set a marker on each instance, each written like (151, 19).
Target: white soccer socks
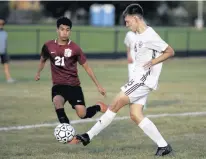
(151, 130)
(146, 125)
(103, 122)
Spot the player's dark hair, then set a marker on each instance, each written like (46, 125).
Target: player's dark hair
(133, 9)
(64, 21)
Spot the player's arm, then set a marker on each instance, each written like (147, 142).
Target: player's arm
(127, 44)
(44, 56)
(90, 72)
(82, 61)
(129, 57)
(160, 46)
(167, 53)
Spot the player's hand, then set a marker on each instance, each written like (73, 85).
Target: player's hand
(101, 90)
(37, 77)
(148, 65)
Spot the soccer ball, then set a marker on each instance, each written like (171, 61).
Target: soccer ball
(64, 133)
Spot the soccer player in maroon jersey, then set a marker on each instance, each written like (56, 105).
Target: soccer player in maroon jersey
(64, 55)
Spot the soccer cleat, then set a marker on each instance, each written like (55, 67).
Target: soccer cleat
(103, 107)
(84, 138)
(161, 151)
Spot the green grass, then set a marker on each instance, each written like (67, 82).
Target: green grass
(24, 39)
(182, 89)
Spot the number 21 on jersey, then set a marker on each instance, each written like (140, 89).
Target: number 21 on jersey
(59, 61)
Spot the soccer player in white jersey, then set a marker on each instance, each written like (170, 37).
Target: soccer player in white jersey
(129, 41)
(151, 52)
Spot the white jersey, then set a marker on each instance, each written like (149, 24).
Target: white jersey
(148, 46)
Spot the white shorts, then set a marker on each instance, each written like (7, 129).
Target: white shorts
(136, 91)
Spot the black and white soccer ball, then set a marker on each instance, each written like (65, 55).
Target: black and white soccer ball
(64, 133)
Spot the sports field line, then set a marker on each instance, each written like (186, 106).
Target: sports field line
(92, 120)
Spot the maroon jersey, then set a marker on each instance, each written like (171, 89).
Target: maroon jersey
(63, 60)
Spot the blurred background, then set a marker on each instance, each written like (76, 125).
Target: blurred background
(180, 23)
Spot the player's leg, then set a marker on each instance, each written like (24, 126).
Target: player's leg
(77, 101)
(5, 62)
(120, 101)
(136, 114)
(149, 129)
(90, 111)
(6, 71)
(146, 125)
(59, 99)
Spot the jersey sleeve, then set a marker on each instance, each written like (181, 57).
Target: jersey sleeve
(81, 57)
(157, 44)
(45, 52)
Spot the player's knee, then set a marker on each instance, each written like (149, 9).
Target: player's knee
(80, 111)
(135, 117)
(58, 103)
(81, 115)
(116, 105)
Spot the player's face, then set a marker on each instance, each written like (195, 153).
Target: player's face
(64, 32)
(131, 22)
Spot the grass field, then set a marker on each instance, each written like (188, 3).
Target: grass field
(25, 39)
(182, 89)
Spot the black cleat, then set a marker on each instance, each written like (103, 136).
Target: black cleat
(84, 138)
(161, 151)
